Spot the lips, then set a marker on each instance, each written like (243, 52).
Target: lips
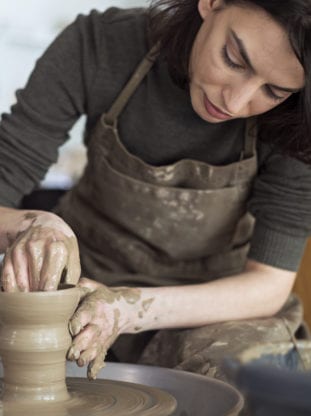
(215, 111)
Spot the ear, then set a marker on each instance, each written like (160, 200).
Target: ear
(206, 6)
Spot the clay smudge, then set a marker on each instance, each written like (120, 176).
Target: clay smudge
(30, 216)
(219, 344)
(115, 329)
(147, 303)
(91, 300)
(111, 294)
(130, 295)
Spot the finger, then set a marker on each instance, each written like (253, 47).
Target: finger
(20, 266)
(53, 265)
(35, 254)
(80, 319)
(83, 341)
(89, 284)
(88, 355)
(84, 288)
(98, 362)
(96, 365)
(8, 277)
(73, 271)
(83, 292)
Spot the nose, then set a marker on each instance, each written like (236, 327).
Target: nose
(238, 96)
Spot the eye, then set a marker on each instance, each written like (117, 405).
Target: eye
(228, 61)
(271, 94)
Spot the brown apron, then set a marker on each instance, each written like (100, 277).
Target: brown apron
(144, 225)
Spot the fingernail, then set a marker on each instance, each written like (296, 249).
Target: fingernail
(81, 362)
(76, 354)
(94, 368)
(74, 327)
(70, 328)
(91, 375)
(73, 354)
(70, 354)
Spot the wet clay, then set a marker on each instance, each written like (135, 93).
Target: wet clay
(95, 307)
(60, 263)
(111, 294)
(99, 398)
(34, 339)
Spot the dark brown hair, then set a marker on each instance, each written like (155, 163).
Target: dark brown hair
(174, 25)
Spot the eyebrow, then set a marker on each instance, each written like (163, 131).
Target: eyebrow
(246, 59)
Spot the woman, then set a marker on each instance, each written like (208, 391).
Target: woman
(164, 213)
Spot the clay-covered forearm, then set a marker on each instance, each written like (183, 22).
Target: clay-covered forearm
(12, 222)
(258, 292)
(105, 313)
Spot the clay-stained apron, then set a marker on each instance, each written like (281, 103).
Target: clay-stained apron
(139, 224)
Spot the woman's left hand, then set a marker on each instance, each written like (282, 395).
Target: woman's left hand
(104, 313)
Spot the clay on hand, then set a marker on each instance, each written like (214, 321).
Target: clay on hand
(101, 317)
(42, 255)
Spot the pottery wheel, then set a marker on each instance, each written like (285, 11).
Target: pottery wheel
(99, 398)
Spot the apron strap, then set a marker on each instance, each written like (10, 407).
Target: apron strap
(250, 138)
(110, 118)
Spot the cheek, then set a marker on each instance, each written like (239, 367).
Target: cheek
(207, 67)
(211, 73)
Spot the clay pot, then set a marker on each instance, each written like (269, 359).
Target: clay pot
(34, 339)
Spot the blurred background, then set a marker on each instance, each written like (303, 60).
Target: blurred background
(27, 27)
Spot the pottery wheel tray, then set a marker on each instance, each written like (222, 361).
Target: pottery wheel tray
(195, 395)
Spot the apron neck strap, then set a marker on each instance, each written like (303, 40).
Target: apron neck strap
(141, 71)
(250, 138)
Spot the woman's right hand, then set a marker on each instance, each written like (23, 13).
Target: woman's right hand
(40, 255)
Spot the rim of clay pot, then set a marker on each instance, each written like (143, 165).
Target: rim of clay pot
(63, 288)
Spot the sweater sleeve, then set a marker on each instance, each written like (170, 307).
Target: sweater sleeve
(280, 202)
(54, 97)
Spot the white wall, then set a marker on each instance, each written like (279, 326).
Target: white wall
(46, 12)
(26, 29)
(28, 26)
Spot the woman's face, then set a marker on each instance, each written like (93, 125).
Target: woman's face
(241, 63)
